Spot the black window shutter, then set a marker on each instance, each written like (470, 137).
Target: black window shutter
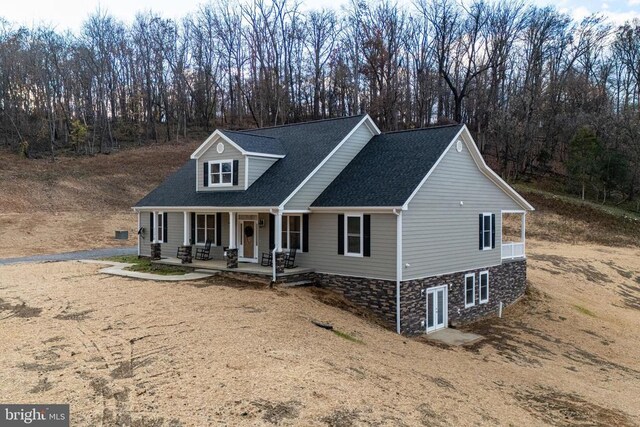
(164, 227)
(493, 231)
(236, 166)
(205, 177)
(272, 231)
(151, 215)
(219, 228)
(305, 232)
(481, 224)
(193, 228)
(366, 229)
(340, 234)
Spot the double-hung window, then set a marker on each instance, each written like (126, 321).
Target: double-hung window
(205, 228)
(486, 231)
(484, 287)
(158, 226)
(469, 290)
(292, 232)
(221, 173)
(353, 235)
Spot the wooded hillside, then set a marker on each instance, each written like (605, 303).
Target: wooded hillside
(541, 93)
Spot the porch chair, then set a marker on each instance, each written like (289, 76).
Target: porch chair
(290, 259)
(267, 259)
(203, 254)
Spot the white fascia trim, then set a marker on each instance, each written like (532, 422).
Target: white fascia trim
(365, 119)
(257, 209)
(484, 267)
(270, 156)
(295, 211)
(219, 135)
(513, 211)
(489, 173)
(435, 165)
(484, 169)
(372, 209)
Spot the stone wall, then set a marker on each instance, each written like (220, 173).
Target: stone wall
(507, 283)
(378, 296)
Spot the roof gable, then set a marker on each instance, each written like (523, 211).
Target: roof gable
(306, 146)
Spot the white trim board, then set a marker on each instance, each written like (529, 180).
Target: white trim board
(216, 135)
(365, 119)
(482, 166)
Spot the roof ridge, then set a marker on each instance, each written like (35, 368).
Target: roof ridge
(304, 123)
(424, 128)
(249, 133)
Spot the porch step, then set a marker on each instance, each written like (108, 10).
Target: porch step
(296, 284)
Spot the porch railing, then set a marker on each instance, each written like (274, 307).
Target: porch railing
(513, 250)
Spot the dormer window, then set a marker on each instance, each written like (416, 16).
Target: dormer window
(221, 173)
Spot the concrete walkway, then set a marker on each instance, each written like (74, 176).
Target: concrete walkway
(118, 269)
(454, 337)
(72, 256)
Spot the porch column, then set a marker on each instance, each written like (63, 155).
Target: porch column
(523, 234)
(278, 232)
(232, 230)
(185, 240)
(232, 252)
(155, 227)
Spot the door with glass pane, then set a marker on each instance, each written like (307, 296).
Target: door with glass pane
(436, 308)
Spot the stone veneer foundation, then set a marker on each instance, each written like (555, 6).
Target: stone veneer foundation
(507, 283)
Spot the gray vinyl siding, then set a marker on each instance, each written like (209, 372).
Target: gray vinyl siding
(323, 248)
(438, 235)
(258, 166)
(230, 153)
(331, 169)
(175, 223)
(263, 234)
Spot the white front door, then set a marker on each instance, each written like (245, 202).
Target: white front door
(436, 308)
(247, 241)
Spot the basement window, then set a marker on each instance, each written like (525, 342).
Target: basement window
(469, 290)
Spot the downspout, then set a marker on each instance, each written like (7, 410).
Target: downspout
(398, 214)
(273, 252)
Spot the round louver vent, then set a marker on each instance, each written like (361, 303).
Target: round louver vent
(220, 148)
(459, 145)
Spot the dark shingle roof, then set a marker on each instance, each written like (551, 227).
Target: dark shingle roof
(254, 143)
(388, 169)
(305, 144)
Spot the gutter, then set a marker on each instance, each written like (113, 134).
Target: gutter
(398, 213)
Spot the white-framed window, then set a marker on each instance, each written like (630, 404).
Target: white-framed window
(353, 236)
(205, 228)
(292, 232)
(469, 290)
(484, 287)
(486, 231)
(159, 227)
(221, 173)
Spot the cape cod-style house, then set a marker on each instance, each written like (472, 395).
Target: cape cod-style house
(407, 224)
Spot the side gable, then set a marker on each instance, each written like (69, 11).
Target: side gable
(470, 145)
(327, 171)
(440, 223)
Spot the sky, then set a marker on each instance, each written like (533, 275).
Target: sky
(69, 14)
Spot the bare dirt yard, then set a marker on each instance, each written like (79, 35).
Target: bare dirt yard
(217, 352)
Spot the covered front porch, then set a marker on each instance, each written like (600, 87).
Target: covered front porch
(224, 239)
(243, 267)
